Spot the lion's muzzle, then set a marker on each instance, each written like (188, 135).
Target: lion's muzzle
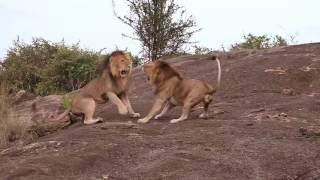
(124, 72)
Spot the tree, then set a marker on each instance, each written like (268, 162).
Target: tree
(279, 41)
(160, 25)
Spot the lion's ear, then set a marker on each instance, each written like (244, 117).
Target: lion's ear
(113, 67)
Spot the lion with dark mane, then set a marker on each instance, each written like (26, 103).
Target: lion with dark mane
(171, 90)
(111, 84)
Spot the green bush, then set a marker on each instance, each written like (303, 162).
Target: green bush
(43, 67)
(260, 42)
(24, 65)
(67, 101)
(200, 50)
(69, 69)
(136, 60)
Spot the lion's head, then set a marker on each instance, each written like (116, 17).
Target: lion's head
(120, 64)
(159, 71)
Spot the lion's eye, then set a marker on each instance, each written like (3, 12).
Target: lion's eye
(122, 60)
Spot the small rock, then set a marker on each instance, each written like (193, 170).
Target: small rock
(265, 116)
(288, 92)
(306, 68)
(310, 131)
(257, 110)
(249, 124)
(22, 96)
(283, 114)
(313, 174)
(104, 176)
(219, 112)
(277, 70)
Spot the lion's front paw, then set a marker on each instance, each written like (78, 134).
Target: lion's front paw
(135, 115)
(203, 116)
(175, 120)
(123, 111)
(143, 120)
(99, 119)
(93, 121)
(157, 116)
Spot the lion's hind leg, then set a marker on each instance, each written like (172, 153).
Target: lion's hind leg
(206, 102)
(205, 113)
(189, 103)
(88, 107)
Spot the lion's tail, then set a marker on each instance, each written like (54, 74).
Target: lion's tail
(219, 73)
(62, 115)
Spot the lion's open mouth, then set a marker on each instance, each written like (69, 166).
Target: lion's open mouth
(124, 72)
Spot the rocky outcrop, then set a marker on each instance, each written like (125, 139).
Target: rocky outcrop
(41, 112)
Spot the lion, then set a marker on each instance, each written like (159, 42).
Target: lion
(172, 90)
(111, 84)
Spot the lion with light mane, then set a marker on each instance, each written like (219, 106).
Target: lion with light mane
(111, 84)
(172, 90)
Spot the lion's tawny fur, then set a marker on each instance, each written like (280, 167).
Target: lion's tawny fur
(111, 84)
(172, 90)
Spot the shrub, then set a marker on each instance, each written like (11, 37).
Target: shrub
(260, 42)
(43, 67)
(67, 101)
(25, 63)
(11, 128)
(136, 60)
(70, 69)
(200, 50)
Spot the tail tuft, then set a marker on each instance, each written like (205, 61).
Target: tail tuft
(214, 57)
(208, 98)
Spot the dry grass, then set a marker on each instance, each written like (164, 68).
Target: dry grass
(11, 128)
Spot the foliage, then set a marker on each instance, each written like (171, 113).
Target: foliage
(136, 60)
(160, 25)
(67, 101)
(43, 67)
(200, 50)
(25, 63)
(279, 41)
(69, 69)
(260, 42)
(11, 128)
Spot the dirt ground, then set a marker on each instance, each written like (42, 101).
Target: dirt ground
(264, 124)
